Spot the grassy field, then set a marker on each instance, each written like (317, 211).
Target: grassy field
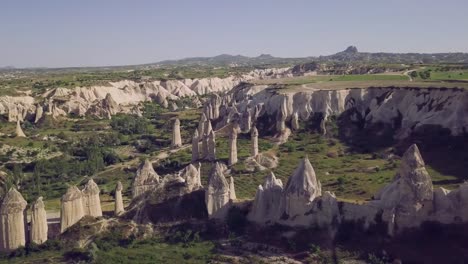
(334, 78)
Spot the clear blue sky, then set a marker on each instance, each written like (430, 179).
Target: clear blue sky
(116, 32)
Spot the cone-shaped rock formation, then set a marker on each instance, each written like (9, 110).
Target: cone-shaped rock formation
(72, 208)
(12, 235)
(39, 227)
(119, 207)
(146, 179)
(91, 200)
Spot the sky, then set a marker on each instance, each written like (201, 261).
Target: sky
(60, 33)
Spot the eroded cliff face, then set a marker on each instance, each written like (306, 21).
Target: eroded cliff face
(120, 97)
(403, 110)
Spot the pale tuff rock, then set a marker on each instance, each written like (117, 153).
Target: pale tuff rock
(233, 145)
(217, 192)
(195, 142)
(146, 179)
(39, 113)
(19, 132)
(12, 235)
(202, 124)
(176, 139)
(206, 139)
(412, 184)
(136, 111)
(161, 100)
(119, 207)
(246, 121)
(39, 226)
(211, 147)
(281, 116)
(91, 200)
(110, 105)
(295, 121)
(72, 208)
(232, 189)
(301, 189)
(267, 200)
(192, 178)
(254, 139)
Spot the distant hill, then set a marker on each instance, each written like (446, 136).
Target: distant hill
(230, 60)
(349, 55)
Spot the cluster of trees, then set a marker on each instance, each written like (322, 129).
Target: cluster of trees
(130, 125)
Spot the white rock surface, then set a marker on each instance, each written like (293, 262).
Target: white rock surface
(72, 208)
(217, 192)
(266, 206)
(12, 224)
(91, 200)
(300, 190)
(146, 179)
(254, 142)
(19, 131)
(119, 206)
(39, 227)
(195, 144)
(176, 139)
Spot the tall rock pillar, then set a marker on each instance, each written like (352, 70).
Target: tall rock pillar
(233, 145)
(12, 235)
(195, 141)
(72, 208)
(176, 139)
(119, 207)
(91, 200)
(254, 139)
(39, 227)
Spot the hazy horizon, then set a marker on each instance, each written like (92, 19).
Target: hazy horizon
(114, 33)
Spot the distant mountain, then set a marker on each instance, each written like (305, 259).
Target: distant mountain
(349, 55)
(231, 60)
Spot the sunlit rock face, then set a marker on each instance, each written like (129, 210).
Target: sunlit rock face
(266, 206)
(217, 193)
(146, 179)
(300, 190)
(12, 235)
(39, 227)
(404, 110)
(19, 131)
(91, 200)
(72, 208)
(176, 139)
(119, 207)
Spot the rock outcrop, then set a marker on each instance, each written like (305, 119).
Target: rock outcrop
(39, 113)
(91, 200)
(119, 206)
(300, 190)
(39, 227)
(176, 139)
(266, 206)
(72, 208)
(211, 147)
(254, 142)
(217, 192)
(19, 131)
(12, 224)
(232, 159)
(146, 179)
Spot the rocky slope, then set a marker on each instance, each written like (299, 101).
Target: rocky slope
(122, 96)
(399, 110)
